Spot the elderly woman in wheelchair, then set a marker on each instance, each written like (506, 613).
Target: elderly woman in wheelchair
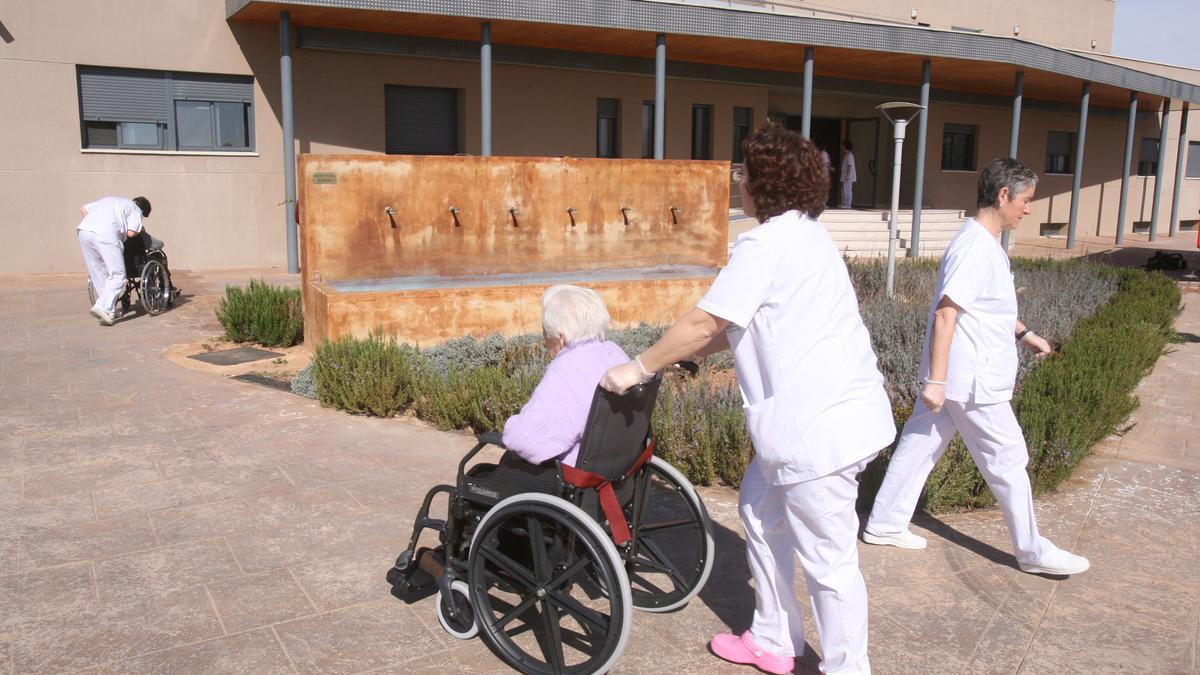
(545, 554)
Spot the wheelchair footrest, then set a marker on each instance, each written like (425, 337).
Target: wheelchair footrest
(415, 577)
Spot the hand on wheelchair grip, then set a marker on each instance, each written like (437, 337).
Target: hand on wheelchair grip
(619, 379)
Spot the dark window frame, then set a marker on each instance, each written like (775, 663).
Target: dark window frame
(1192, 162)
(648, 130)
(960, 143)
(743, 123)
(164, 90)
(608, 115)
(702, 138)
(1058, 163)
(1147, 166)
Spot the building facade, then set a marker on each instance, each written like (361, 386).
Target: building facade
(185, 103)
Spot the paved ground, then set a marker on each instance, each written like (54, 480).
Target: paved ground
(157, 519)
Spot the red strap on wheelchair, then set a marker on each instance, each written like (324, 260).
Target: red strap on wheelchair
(609, 505)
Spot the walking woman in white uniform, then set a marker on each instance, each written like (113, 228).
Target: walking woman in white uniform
(968, 370)
(814, 400)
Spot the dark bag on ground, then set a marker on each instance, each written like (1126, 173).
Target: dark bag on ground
(1162, 260)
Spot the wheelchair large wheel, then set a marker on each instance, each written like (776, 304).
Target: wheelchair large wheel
(155, 288)
(91, 293)
(671, 553)
(539, 571)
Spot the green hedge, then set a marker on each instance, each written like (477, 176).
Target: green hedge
(1113, 323)
(269, 315)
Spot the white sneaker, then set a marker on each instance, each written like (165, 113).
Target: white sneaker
(95, 312)
(1058, 562)
(106, 319)
(905, 539)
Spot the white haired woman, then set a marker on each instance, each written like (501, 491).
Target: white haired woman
(550, 425)
(968, 370)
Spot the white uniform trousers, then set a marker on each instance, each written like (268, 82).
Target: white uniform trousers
(847, 194)
(815, 519)
(106, 268)
(992, 435)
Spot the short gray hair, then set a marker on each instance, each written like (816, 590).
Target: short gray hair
(1003, 172)
(575, 314)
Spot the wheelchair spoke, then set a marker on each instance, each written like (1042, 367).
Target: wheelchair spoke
(552, 647)
(658, 527)
(664, 564)
(537, 545)
(568, 574)
(509, 565)
(513, 613)
(586, 614)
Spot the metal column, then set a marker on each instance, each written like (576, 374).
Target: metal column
(914, 244)
(660, 92)
(1126, 165)
(289, 141)
(1080, 139)
(1014, 134)
(485, 89)
(806, 109)
(1180, 163)
(1158, 171)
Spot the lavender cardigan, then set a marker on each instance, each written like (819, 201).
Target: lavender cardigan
(550, 426)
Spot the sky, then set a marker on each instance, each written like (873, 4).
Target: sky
(1166, 31)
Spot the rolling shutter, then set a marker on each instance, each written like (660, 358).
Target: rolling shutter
(421, 120)
(111, 95)
(200, 87)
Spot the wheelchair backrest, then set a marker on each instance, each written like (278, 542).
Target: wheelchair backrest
(616, 429)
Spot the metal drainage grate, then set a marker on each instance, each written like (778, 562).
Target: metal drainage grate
(255, 378)
(232, 357)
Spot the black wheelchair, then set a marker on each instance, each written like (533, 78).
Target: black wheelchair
(546, 563)
(146, 274)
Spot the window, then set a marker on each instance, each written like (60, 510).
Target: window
(647, 129)
(958, 147)
(420, 120)
(608, 124)
(1060, 152)
(702, 132)
(1148, 157)
(743, 120)
(162, 110)
(1193, 160)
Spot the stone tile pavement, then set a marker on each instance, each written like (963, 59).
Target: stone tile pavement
(158, 519)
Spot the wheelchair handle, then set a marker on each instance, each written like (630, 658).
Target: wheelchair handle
(485, 439)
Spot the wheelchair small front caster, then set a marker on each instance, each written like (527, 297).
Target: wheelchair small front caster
(459, 620)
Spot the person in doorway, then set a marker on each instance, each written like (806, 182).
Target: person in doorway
(849, 174)
(106, 224)
(968, 368)
(814, 400)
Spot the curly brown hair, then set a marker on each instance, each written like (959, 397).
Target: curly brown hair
(784, 171)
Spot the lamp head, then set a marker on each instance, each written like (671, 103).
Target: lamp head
(900, 111)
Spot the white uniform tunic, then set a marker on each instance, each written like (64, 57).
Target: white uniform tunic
(975, 274)
(817, 413)
(111, 219)
(813, 394)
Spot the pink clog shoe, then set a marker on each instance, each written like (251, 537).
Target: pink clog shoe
(743, 649)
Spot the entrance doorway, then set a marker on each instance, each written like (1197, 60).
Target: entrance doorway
(826, 133)
(864, 134)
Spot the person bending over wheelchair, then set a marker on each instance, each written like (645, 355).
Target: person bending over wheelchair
(550, 425)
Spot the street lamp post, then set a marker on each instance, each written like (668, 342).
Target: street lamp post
(899, 113)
